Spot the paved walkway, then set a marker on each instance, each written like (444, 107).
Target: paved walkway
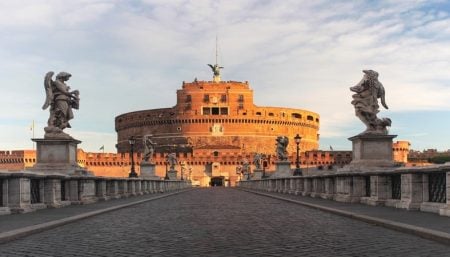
(420, 219)
(220, 222)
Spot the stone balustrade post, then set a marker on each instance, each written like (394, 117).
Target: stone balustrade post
(270, 185)
(350, 188)
(138, 187)
(132, 187)
(298, 186)
(123, 188)
(52, 192)
(379, 190)
(307, 186)
(285, 185)
(446, 211)
(411, 191)
(87, 192)
(144, 186)
(329, 188)
(315, 187)
(113, 191)
(73, 191)
(19, 200)
(4, 209)
(100, 186)
(292, 185)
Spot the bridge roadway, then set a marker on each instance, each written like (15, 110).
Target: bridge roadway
(218, 222)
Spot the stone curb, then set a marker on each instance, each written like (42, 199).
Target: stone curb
(430, 234)
(26, 231)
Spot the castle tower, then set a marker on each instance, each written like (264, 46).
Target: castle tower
(400, 150)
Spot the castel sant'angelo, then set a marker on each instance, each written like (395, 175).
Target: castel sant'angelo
(214, 127)
(213, 130)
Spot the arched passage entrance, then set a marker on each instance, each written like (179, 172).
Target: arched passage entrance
(217, 181)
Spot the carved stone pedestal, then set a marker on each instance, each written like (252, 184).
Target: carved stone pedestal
(58, 156)
(148, 170)
(172, 174)
(371, 151)
(257, 174)
(282, 170)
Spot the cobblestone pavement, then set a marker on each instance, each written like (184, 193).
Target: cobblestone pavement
(17, 221)
(416, 218)
(221, 222)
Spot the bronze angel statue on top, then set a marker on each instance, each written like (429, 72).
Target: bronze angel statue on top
(61, 101)
(215, 69)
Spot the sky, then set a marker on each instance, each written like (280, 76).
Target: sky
(133, 55)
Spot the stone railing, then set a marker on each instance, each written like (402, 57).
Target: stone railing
(416, 188)
(25, 191)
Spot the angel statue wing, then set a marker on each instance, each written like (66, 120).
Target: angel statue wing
(48, 89)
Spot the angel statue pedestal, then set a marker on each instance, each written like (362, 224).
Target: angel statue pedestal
(148, 170)
(172, 174)
(282, 169)
(58, 156)
(371, 152)
(257, 174)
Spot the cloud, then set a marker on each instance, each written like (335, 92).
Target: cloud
(133, 55)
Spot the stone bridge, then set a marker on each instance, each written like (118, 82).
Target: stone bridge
(366, 214)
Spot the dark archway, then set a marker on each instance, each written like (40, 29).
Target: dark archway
(217, 181)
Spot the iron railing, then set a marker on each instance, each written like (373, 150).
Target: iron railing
(63, 190)
(98, 188)
(396, 182)
(108, 187)
(35, 190)
(1, 192)
(367, 180)
(436, 187)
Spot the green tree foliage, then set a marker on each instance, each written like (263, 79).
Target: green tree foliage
(439, 159)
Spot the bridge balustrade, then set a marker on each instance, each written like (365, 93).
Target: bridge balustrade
(1, 192)
(414, 188)
(25, 191)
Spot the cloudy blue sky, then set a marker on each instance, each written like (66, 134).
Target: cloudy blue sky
(133, 55)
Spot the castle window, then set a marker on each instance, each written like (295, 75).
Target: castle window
(188, 98)
(241, 106)
(223, 98)
(310, 118)
(224, 111)
(271, 114)
(317, 119)
(258, 113)
(296, 116)
(206, 111)
(206, 98)
(241, 98)
(215, 110)
(216, 153)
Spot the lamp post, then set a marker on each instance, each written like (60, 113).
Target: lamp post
(264, 165)
(183, 167)
(298, 171)
(133, 173)
(167, 174)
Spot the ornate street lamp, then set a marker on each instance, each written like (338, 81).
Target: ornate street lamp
(298, 171)
(167, 174)
(133, 173)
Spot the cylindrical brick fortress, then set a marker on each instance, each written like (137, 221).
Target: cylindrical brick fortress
(218, 115)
